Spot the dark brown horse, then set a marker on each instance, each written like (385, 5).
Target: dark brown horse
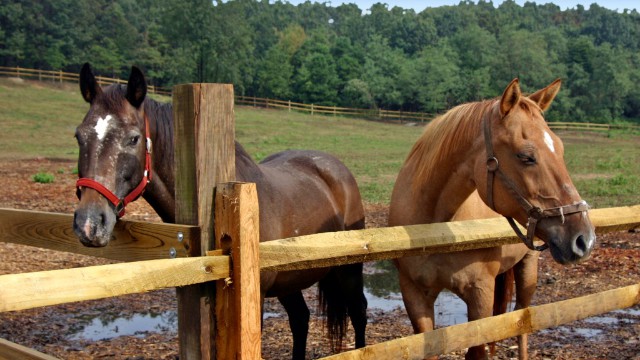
(497, 154)
(299, 192)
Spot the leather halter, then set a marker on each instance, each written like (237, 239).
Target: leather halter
(534, 213)
(121, 203)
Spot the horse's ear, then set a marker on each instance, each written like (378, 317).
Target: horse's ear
(510, 97)
(136, 87)
(89, 88)
(544, 97)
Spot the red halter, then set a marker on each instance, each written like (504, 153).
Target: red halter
(119, 203)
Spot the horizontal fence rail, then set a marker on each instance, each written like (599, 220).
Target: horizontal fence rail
(22, 291)
(495, 328)
(374, 114)
(60, 76)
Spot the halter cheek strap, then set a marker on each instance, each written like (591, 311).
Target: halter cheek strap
(121, 203)
(534, 213)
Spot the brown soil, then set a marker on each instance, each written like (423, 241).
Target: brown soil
(612, 336)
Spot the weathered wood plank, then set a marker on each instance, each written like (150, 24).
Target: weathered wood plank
(330, 249)
(140, 241)
(458, 337)
(44, 288)
(238, 301)
(13, 351)
(204, 156)
(615, 219)
(133, 241)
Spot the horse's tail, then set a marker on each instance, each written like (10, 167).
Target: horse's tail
(503, 292)
(333, 304)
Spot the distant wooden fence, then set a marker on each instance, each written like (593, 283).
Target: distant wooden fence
(372, 114)
(218, 290)
(375, 114)
(61, 76)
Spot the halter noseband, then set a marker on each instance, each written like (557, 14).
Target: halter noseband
(121, 203)
(534, 213)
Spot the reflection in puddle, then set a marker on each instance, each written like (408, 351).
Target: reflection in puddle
(137, 325)
(382, 292)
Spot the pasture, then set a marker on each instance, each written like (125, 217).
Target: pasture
(373, 151)
(39, 120)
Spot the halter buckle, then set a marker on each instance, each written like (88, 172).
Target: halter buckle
(119, 208)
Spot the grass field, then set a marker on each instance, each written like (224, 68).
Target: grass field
(39, 120)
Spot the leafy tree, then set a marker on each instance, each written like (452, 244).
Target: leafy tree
(315, 79)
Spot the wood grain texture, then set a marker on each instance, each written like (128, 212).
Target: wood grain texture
(13, 351)
(204, 134)
(44, 288)
(458, 337)
(133, 240)
(238, 307)
(330, 249)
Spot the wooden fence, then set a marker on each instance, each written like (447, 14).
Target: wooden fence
(371, 114)
(61, 76)
(218, 289)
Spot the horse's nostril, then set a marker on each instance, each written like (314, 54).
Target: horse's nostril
(580, 246)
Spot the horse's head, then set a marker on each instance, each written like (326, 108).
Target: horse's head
(527, 179)
(113, 163)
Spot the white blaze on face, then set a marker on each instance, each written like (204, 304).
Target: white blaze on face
(101, 126)
(549, 141)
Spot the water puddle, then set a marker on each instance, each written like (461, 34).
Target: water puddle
(382, 292)
(138, 325)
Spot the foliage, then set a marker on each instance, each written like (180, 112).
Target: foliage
(43, 178)
(381, 57)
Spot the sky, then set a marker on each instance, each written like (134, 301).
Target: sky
(419, 5)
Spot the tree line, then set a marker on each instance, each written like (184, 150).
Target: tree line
(381, 57)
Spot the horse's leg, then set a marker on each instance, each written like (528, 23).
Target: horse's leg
(299, 315)
(526, 277)
(350, 281)
(419, 305)
(479, 300)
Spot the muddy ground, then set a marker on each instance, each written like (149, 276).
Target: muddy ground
(611, 336)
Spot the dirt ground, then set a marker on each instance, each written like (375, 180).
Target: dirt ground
(611, 336)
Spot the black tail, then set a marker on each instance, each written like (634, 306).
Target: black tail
(333, 304)
(341, 296)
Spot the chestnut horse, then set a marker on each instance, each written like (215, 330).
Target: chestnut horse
(497, 154)
(299, 192)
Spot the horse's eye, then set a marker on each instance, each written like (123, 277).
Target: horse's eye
(134, 140)
(527, 159)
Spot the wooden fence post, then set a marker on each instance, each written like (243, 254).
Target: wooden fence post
(238, 301)
(204, 156)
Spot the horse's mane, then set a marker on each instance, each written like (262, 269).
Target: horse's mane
(444, 135)
(448, 132)
(163, 115)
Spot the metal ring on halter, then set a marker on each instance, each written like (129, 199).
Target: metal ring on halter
(492, 164)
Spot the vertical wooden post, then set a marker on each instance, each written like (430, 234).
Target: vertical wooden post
(204, 156)
(238, 301)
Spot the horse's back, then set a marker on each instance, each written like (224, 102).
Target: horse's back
(305, 192)
(301, 192)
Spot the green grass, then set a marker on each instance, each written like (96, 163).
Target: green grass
(43, 178)
(605, 167)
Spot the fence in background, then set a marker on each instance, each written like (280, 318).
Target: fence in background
(371, 114)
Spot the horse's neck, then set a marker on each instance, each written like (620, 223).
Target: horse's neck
(447, 187)
(160, 191)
